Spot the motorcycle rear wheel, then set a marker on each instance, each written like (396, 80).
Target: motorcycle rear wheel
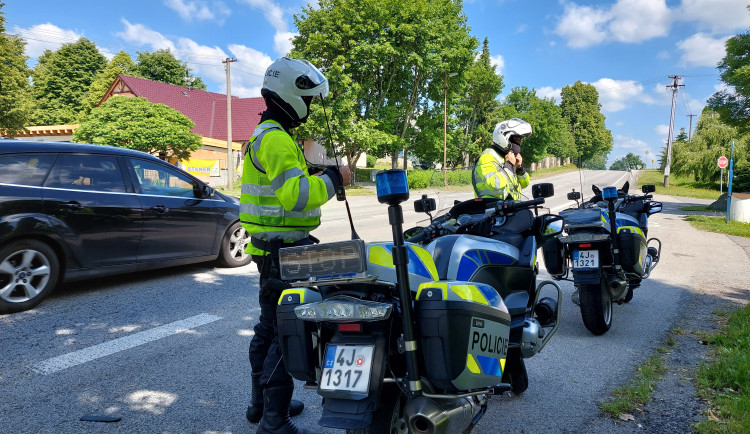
(596, 307)
(388, 418)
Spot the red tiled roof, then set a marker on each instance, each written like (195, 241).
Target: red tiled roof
(208, 110)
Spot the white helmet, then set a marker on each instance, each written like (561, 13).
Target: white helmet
(287, 81)
(506, 129)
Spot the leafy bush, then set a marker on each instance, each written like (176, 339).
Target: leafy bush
(371, 160)
(419, 178)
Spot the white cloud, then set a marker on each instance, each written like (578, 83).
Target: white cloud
(616, 95)
(282, 42)
(498, 62)
(582, 26)
(142, 35)
(702, 50)
(521, 28)
(199, 10)
(639, 20)
(720, 16)
(549, 92)
(45, 37)
(631, 21)
(206, 61)
(662, 130)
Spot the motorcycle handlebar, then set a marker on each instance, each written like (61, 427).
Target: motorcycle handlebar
(509, 206)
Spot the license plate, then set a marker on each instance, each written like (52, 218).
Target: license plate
(347, 367)
(585, 259)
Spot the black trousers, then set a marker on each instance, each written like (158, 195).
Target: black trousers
(265, 350)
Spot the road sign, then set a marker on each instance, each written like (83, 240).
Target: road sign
(722, 162)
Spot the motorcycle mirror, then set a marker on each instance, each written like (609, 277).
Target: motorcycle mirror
(425, 204)
(648, 188)
(574, 195)
(553, 225)
(544, 189)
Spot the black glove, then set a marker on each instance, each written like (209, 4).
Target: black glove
(335, 175)
(520, 171)
(271, 289)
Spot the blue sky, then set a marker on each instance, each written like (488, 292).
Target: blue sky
(626, 48)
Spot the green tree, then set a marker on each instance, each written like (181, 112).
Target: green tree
(628, 162)
(120, 64)
(580, 108)
(15, 103)
(733, 104)
(597, 162)
(61, 80)
(161, 65)
(135, 123)
(387, 62)
(551, 135)
(476, 110)
(712, 139)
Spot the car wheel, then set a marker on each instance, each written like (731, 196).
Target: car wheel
(233, 247)
(29, 270)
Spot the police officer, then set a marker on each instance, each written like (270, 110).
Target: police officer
(499, 170)
(279, 206)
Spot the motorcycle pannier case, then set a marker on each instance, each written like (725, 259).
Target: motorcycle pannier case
(554, 256)
(632, 249)
(464, 329)
(296, 335)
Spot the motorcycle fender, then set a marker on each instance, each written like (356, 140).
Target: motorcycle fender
(351, 410)
(592, 276)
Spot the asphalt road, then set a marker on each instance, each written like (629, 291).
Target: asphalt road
(166, 351)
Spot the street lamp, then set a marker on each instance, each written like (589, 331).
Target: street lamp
(445, 127)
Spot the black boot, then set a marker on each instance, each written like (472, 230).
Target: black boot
(275, 419)
(255, 410)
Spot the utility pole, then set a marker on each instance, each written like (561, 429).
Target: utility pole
(690, 129)
(674, 86)
(230, 154)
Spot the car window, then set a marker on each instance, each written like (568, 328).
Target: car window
(25, 169)
(87, 172)
(163, 181)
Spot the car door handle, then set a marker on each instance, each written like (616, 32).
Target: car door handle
(73, 205)
(161, 209)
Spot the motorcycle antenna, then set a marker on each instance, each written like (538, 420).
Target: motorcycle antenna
(340, 192)
(580, 175)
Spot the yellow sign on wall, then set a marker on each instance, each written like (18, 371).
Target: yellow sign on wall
(201, 167)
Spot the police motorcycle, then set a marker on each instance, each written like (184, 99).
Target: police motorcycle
(417, 337)
(606, 248)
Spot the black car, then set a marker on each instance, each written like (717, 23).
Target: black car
(71, 211)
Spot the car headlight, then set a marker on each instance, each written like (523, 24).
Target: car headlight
(343, 309)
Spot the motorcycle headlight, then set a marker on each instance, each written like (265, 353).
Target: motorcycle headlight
(343, 309)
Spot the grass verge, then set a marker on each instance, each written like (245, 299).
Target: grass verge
(678, 185)
(697, 208)
(628, 398)
(725, 381)
(719, 224)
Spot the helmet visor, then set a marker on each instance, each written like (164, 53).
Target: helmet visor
(311, 82)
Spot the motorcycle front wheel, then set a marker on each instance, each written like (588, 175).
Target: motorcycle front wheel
(388, 418)
(596, 307)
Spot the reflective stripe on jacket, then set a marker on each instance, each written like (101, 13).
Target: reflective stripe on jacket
(279, 199)
(492, 179)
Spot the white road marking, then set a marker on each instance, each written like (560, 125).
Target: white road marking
(75, 358)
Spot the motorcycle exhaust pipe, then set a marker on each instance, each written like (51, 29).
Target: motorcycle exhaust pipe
(616, 287)
(444, 416)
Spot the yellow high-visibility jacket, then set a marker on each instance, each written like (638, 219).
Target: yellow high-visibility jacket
(279, 200)
(493, 178)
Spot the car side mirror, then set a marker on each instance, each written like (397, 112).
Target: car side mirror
(574, 195)
(648, 188)
(206, 192)
(544, 189)
(425, 204)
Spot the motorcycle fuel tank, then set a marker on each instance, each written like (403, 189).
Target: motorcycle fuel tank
(380, 263)
(458, 257)
(464, 329)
